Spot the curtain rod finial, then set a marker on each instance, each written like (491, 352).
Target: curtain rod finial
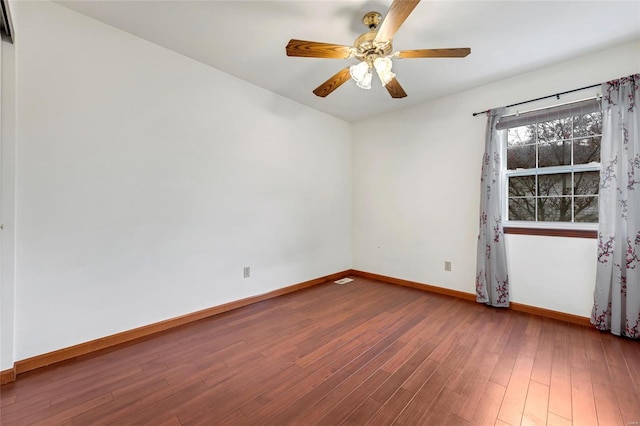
(475, 114)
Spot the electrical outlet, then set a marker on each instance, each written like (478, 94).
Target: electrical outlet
(447, 265)
(247, 271)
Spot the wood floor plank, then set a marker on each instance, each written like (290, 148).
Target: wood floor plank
(197, 371)
(7, 400)
(593, 346)
(232, 393)
(15, 413)
(168, 407)
(363, 413)
(441, 407)
(432, 387)
(454, 420)
(433, 310)
(531, 338)
(503, 325)
(391, 408)
(118, 408)
(607, 408)
(384, 392)
(429, 326)
(363, 353)
(127, 405)
(480, 361)
(449, 334)
(582, 399)
(555, 420)
(62, 412)
(173, 421)
(509, 352)
(543, 359)
(560, 386)
(89, 389)
(342, 409)
(341, 339)
(516, 393)
(631, 355)
(536, 404)
(577, 349)
(486, 412)
(629, 403)
(476, 381)
(621, 377)
(292, 412)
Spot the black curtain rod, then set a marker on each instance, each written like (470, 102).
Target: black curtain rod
(544, 97)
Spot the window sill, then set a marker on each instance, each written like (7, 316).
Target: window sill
(552, 232)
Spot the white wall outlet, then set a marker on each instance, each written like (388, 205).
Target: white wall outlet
(247, 271)
(447, 265)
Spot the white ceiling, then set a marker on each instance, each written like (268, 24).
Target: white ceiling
(247, 39)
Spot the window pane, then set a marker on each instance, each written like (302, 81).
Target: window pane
(586, 183)
(556, 153)
(522, 135)
(555, 129)
(521, 149)
(585, 209)
(522, 186)
(522, 208)
(554, 209)
(586, 151)
(521, 157)
(587, 124)
(555, 185)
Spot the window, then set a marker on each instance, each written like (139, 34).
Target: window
(552, 167)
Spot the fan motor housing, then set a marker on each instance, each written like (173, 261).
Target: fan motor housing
(367, 49)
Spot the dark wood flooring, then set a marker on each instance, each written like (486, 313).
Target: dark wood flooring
(360, 353)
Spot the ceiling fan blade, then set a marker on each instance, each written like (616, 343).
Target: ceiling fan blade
(395, 90)
(313, 49)
(398, 13)
(333, 83)
(434, 53)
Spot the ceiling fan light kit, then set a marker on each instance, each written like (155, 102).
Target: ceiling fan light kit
(361, 74)
(383, 67)
(374, 51)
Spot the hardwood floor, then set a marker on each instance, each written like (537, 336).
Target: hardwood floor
(360, 353)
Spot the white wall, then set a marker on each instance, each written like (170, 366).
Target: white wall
(146, 181)
(416, 191)
(7, 202)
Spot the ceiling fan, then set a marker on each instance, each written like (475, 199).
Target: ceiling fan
(373, 50)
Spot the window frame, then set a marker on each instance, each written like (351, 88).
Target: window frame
(564, 229)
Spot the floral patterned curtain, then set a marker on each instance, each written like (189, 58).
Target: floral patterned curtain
(492, 278)
(617, 294)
